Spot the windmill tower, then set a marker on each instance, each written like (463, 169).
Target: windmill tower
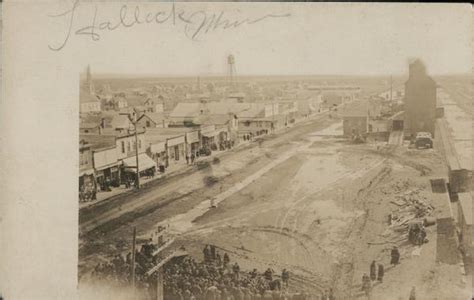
(231, 65)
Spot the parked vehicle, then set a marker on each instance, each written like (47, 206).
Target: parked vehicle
(423, 140)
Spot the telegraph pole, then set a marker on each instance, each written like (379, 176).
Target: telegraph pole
(133, 258)
(136, 152)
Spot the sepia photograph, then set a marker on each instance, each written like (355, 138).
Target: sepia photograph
(231, 151)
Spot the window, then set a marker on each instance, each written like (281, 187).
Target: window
(148, 124)
(123, 147)
(128, 146)
(139, 144)
(134, 145)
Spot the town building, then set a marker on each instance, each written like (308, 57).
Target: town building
(125, 144)
(86, 168)
(223, 116)
(420, 101)
(167, 146)
(154, 104)
(355, 124)
(106, 165)
(152, 120)
(88, 102)
(259, 119)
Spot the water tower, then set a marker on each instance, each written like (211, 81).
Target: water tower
(231, 64)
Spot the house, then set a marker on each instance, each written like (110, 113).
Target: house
(355, 120)
(89, 127)
(154, 104)
(120, 122)
(116, 102)
(152, 120)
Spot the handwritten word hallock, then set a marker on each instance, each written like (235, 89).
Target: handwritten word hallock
(196, 23)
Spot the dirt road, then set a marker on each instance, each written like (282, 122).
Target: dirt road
(306, 201)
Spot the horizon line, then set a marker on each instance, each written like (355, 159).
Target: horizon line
(150, 75)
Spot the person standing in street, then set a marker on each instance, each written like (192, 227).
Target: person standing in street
(381, 273)
(395, 255)
(366, 284)
(373, 270)
(412, 293)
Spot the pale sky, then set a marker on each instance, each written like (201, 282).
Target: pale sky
(352, 39)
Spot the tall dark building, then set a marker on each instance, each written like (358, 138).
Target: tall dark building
(420, 100)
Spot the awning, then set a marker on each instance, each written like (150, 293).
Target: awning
(192, 137)
(107, 166)
(86, 172)
(144, 163)
(158, 147)
(210, 134)
(222, 130)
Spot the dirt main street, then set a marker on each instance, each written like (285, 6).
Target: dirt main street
(305, 200)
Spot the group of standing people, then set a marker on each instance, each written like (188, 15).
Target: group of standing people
(377, 271)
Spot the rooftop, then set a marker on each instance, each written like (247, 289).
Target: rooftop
(157, 135)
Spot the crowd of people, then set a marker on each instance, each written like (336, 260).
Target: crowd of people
(185, 278)
(216, 278)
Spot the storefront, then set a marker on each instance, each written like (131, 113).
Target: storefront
(106, 167)
(176, 147)
(192, 142)
(158, 154)
(222, 139)
(87, 185)
(146, 166)
(209, 139)
(108, 177)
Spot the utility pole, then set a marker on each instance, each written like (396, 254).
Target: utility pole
(136, 152)
(133, 258)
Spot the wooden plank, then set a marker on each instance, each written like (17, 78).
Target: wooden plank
(176, 253)
(163, 247)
